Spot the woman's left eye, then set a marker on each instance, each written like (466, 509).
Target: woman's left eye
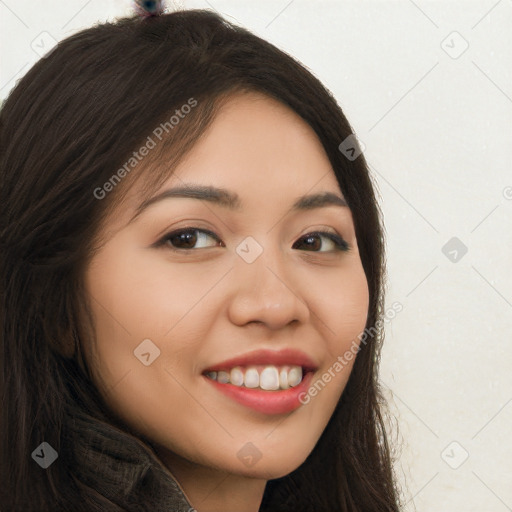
(187, 239)
(333, 239)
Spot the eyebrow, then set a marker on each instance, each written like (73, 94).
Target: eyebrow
(231, 200)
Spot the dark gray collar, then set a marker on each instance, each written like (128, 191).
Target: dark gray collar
(120, 467)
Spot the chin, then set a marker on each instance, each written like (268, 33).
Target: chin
(270, 468)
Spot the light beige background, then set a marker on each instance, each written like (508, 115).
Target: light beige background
(435, 118)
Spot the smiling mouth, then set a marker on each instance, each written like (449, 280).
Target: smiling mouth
(263, 377)
(267, 381)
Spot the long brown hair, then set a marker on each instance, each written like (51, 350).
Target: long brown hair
(71, 121)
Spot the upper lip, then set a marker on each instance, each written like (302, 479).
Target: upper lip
(289, 356)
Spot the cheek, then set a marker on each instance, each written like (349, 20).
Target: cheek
(141, 297)
(342, 312)
(341, 308)
(133, 301)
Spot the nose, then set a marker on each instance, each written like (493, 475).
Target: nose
(267, 292)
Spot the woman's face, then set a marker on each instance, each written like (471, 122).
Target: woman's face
(246, 293)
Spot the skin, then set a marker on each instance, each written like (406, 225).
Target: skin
(204, 305)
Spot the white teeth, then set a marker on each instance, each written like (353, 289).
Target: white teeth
(236, 376)
(283, 378)
(223, 377)
(295, 376)
(268, 378)
(252, 378)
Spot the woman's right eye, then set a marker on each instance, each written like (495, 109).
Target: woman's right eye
(186, 239)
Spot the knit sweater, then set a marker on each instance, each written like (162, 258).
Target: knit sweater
(124, 473)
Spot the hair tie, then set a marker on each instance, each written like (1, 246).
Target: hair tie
(148, 8)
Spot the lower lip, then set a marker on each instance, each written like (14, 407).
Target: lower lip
(267, 402)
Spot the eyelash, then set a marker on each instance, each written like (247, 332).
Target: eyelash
(340, 243)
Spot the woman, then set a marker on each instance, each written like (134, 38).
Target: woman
(188, 261)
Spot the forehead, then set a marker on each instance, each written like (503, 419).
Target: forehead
(256, 143)
(256, 147)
